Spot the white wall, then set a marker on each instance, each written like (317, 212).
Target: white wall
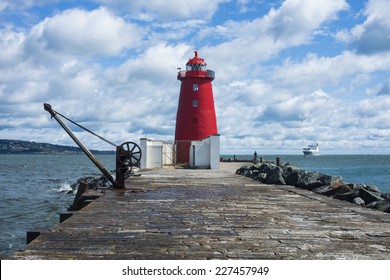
(156, 153)
(205, 153)
(215, 155)
(200, 153)
(143, 145)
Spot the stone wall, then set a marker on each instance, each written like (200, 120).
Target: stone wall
(333, 186)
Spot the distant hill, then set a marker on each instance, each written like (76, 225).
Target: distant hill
(31, 147)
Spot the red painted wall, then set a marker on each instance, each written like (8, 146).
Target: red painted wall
(195, 123)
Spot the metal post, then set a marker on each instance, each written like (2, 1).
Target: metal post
(193, 155)
(277, 161)
(120, 172)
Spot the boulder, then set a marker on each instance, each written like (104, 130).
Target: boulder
(344, 194)
(312, 180)
(345, 191)
(293, 177)
(364, 195)
(359, 201)
(241, 170)
(262, 177)
(369, 196)
(385, 196)
(265, 167)
(247, 173)
(288, 168)
(339, 190)
(371, 188)
(255, 174)
(372, 205)
(383, 205)
(275, 176)
(325, 190)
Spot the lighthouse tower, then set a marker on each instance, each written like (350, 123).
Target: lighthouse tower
(195, 118)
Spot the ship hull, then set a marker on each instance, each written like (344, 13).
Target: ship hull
(310, 153)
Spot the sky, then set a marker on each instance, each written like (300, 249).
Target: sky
(288, 73)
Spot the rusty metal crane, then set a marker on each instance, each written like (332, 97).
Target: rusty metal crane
(128, 154)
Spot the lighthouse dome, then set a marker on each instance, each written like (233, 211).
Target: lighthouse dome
(196, 63)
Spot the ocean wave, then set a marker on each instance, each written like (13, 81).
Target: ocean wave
(65, 187)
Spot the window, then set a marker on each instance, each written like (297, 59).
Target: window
(194, 103)
(195, 87)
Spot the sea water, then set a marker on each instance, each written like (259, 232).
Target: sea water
(35, 189)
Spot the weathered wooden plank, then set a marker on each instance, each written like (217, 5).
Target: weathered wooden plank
(204, 214)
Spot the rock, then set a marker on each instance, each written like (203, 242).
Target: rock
(369, 196)
(255, 174)
(358, 186)
(346, 192)
(82, 179)
(383, 205)
(359, 201)
(275, 176)
(253, 167)
(265, 167)
(93, 183)
(324, 184)
(325, 190)
(290, 169)
(241, 170)
(339, 191)
(312, 180)
(385, 196)
(262, 177)
(328, 179)
(372, 205)
(294, 177)
(247, 173)
(372, 188)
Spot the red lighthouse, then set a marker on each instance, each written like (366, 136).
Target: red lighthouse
(195, 118)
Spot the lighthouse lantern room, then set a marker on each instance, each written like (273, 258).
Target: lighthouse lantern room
(196, 119)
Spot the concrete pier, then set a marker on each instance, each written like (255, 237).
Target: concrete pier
(208, 214)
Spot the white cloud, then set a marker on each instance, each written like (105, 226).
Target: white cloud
(250, 42)
(372, 36)
(11, 44)
(317, 72)
(295, 20)
(86, 33)
(158, 63)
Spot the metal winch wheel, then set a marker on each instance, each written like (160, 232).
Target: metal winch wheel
(129, 154)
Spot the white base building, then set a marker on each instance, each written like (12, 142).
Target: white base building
(204, 154)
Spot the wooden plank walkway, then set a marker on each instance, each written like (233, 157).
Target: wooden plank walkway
(206, 214)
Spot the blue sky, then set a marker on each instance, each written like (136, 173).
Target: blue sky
(288, 73)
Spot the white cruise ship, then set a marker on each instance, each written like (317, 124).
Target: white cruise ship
(311, 150)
